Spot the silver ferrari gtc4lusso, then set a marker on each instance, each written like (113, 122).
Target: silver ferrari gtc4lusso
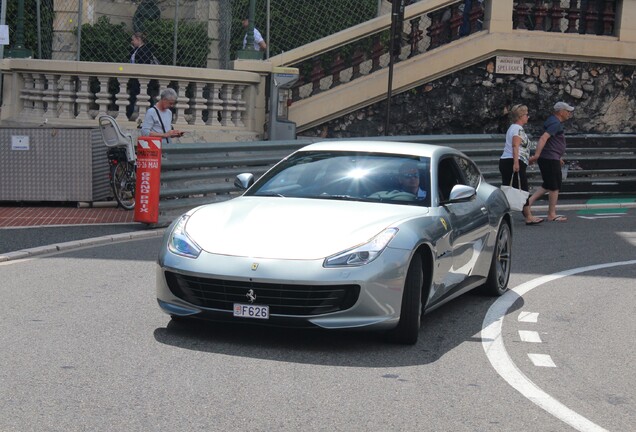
(341, 234)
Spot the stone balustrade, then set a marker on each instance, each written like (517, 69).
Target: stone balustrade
(68, 93)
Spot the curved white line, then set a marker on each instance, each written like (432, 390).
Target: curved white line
(492, 342)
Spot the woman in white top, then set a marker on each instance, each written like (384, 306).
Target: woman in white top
(515, 157)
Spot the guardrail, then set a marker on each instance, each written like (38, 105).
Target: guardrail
(196, 174)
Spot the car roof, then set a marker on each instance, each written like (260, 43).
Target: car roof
(390, 147)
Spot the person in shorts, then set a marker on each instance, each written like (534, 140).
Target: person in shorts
(548, 155)
(515, 157)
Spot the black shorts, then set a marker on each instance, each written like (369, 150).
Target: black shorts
(551, 174)
(506, 170)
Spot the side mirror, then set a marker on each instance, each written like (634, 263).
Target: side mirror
(461, 193)
(244, 181)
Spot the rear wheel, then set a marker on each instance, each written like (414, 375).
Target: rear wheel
(123, 184)
(408, 328)
(497, 281)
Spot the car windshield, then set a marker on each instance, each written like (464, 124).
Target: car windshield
(351, 176)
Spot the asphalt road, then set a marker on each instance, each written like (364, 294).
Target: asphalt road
(13, 239)
(85, 347)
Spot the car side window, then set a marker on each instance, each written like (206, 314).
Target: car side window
(470, 171)
(448, 175)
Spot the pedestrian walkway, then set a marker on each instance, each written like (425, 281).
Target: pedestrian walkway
(14, 216)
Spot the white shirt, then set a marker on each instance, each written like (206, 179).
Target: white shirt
(524, 148)
(258, 38)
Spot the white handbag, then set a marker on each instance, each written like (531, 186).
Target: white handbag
(516, 197)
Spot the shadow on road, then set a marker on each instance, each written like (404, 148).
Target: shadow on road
(442, 330)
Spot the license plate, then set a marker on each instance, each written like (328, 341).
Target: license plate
(251, 311)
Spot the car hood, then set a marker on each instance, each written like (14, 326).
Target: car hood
(291, 228)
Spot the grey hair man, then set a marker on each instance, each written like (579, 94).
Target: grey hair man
(548, 155)
(158, 119)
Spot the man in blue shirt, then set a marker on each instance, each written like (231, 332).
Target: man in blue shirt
(550, 150)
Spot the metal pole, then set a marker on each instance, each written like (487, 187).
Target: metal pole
(267, 29)
(3, 20)
(18, 50)
(39, 19)
(176, 29)
(394, 20)
(79, 29)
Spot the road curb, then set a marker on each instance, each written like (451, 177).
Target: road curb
(75, 244)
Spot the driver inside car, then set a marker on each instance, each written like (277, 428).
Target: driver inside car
(409, 180)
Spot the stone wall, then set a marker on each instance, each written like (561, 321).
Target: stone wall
(476, 101)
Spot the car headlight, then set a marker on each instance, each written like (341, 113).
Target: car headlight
(180, 243)
(363, 254)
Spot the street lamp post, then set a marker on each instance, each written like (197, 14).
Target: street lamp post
(248, 52)
(395, 45)
(18, 50)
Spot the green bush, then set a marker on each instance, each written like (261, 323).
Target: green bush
(193, 43)
(105, 42)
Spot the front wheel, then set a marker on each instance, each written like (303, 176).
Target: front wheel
(123, 184)
(408, 328)
(497, 281)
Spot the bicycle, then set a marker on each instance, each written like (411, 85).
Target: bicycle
(122, 160)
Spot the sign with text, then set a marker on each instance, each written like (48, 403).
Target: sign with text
(509, 65)
(148, 181)
(19, 142)
(4, 35)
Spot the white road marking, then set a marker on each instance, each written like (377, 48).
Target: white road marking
(529, 336)
(529, 317)
(492, 342)
(541, 360)
(599, 217)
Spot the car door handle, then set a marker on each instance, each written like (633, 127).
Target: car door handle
(484, 210)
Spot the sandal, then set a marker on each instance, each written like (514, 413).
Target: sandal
(536, 221)
(559, 219)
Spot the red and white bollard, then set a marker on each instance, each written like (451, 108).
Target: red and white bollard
(148, 180)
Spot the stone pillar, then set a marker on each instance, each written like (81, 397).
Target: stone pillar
(498, 19)
(626, 21)
(214, 24)
(66, 20)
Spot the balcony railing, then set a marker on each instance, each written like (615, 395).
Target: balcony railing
(436, 27)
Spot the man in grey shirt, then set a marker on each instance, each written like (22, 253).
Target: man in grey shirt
(548, 154)
(158, 119)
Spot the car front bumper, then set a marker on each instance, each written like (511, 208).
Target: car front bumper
(378, 304)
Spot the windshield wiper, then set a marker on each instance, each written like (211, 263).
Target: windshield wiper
(338, 197)
(269, 194)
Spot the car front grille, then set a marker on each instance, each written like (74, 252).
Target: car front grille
(282, 299)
